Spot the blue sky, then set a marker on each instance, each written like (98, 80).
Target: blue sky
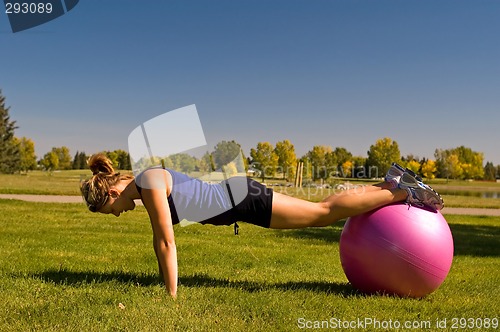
(317, 72)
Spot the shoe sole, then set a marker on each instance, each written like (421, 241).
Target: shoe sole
(418, 182)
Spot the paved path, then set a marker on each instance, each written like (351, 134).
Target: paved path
(44, 198)
(78, 199)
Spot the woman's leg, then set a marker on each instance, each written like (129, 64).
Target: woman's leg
(290, 212)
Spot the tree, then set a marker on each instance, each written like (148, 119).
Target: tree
(381, 155)
(429, 169)
(456, 170)
(123, 159)
(340, 160)
(57, 158)
(76, 164)
(205, 164)
(147, 162)
(27, 154)
(342, 155)
(471, 162)
(231, 169)
(413, 165)
(264, 159)
(64, 157)
(408, 158)
(358, 167)
(80, 160)
(9, 151)
(287, 159)
(227, 156)
(347, 168)
(183, 162)
(490, 172)
(50, 161)
(83, 160)
(460, 163)
(318, 157)
(443, 163)
(411, 162)
(225, 152)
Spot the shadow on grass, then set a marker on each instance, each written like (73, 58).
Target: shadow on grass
(82, 278)
(203, 280)
(330, 234)
(76, 278)
(476, 240)
(469, 240)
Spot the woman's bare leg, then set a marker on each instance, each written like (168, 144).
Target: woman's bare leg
(290, 212)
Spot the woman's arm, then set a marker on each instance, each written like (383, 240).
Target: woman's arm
(155, 246)
(155, 201)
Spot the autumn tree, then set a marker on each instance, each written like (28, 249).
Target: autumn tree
(264, 159)
(318, 157)
(381, 155)
(64, 157)
(340, 161)
(413, 165)
(56, 159)
(429, 169)
(358, 167)
(50, 161)
(459, 163)
(27, 155)
(287, 159)
(205, 164)
(347, 168)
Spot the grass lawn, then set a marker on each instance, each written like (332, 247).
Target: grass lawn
(43, 183)
(63, 268)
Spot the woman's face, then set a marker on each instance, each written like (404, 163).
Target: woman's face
(117, 203)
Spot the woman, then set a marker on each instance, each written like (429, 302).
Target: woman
(167, 195)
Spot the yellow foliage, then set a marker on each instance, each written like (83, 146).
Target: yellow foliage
(429, 169)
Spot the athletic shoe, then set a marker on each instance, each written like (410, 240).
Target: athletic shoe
(393, 175)
(420, 194)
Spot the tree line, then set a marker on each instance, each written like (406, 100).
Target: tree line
(322, 162)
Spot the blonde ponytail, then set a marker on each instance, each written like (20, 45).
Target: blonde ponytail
(95, 190)
(100, 163)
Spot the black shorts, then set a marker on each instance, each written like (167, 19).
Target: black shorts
(255, 208)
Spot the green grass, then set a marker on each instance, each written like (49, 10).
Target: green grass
(43, 183)
(471, 202)
(63, 268)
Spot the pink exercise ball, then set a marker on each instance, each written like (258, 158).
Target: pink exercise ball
(397, 250)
